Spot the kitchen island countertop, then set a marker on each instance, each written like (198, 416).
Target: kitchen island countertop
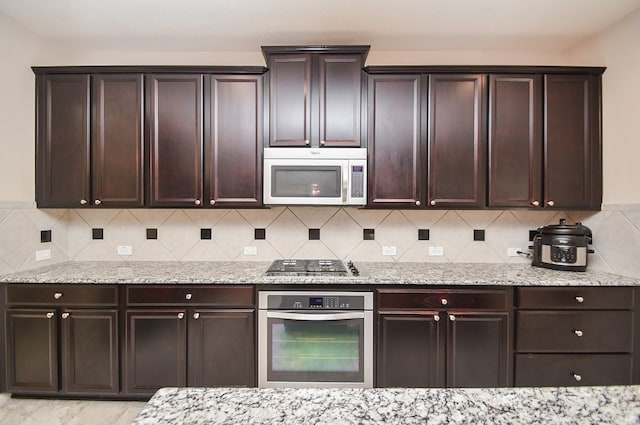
(576, 405)
(253, 272)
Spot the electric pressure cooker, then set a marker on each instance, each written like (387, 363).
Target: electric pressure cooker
(562, 246)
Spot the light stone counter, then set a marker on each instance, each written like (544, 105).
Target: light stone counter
(512, 406)
(248, 272)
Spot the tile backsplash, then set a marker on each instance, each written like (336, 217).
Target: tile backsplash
(302, 232)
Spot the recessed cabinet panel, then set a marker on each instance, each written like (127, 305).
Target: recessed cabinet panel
(395, 149)
(62, 149)
(175, 140)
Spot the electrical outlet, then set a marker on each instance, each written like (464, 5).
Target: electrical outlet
(125, 250)
(388, 250)
(250, 250)
(42, 255)
(436, 251)
(512, 252)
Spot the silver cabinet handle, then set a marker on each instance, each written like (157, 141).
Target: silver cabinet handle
(452, 317)
(197, 201)
(436, 318)
(322, 142)
(196, 316)
(97, 202)
(65, 315)
(418, 203)
(57, 295)
(550, 203)
(212, 202)
(578, 332)
(83, 202)
(433, 202)
(50, 315)
(535, 203)
(306, 142)
(577, 377)
(580, 299)
(444, 301)
(180, 315)
(188, 296)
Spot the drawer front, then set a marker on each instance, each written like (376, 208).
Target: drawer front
(575, 298)
(62, 295)
(573, 331)
(166, 295)
(539, 370)
(400, 299)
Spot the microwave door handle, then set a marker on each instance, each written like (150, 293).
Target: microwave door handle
(313, 316)
(345, 184)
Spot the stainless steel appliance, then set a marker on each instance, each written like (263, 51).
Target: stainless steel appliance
(562, 246)
(315, 339)
(315, 176)
(295, 267)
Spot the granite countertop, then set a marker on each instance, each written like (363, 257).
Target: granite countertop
(575, 405)
(371, 273)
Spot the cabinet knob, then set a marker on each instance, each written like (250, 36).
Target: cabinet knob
(65, 315)
(180, 315)
(97, 202)
(577, 377)
(50, 315)
(197, 201)
(418, 203)
(196, 316)
(188, 296)
(535, 203)
(452, 317)
(550, 203)
(212, 202)
(57, 295)
(436, 318)
(578, 332)
(322, 142)
(444, 301)
(580, 299)
(306, 142)
(433, 202)
(83, 202)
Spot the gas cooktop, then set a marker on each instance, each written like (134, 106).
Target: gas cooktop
(293, 267)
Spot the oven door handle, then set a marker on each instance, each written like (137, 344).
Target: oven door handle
(314, 316)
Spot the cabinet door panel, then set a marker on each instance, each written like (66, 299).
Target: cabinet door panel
(573, 160)
(456, 141)
(156, 350)
(515, 141)
(410, 350)
(175, 137)
(395, 166)
(118, 135)
(234, 160)
(290, 100)
(32, 351)
(90, 351)
(340, 99)
(221, 348)
(478, 350)
(63, 141)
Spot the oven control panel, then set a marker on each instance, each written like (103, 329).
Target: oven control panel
(284, 300)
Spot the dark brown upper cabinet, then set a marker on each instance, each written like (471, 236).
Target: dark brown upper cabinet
(315, 95)
(515, 140)
(89, 142)
(457, 140)
(397, 172)
(234, 140)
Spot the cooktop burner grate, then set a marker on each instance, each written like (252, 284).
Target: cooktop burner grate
(294, 267)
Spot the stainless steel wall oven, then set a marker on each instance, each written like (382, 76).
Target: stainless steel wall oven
(315, 339)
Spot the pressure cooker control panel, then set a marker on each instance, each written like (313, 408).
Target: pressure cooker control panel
(564, 254)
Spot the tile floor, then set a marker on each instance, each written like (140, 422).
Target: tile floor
(17, 411)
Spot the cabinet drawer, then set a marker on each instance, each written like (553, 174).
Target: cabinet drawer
(537, 370)
(573, 331)
(394, 299)
(62, 295)
(191, 295)
(575, 298)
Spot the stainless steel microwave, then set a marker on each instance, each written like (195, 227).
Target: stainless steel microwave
(315, 176)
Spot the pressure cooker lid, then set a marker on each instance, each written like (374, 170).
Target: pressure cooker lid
(565, 229)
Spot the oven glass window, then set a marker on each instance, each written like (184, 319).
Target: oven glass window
(329, 351)
(308, 181)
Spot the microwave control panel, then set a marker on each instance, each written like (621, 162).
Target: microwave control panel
(357, 181)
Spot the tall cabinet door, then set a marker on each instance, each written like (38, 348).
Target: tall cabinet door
(62, 149)
(396, 171)
(573, 157)
(515, 141)
(457, 140)
(290, 100)
(175, 140)
(118, 137)
(340, 88)
(234, 141)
